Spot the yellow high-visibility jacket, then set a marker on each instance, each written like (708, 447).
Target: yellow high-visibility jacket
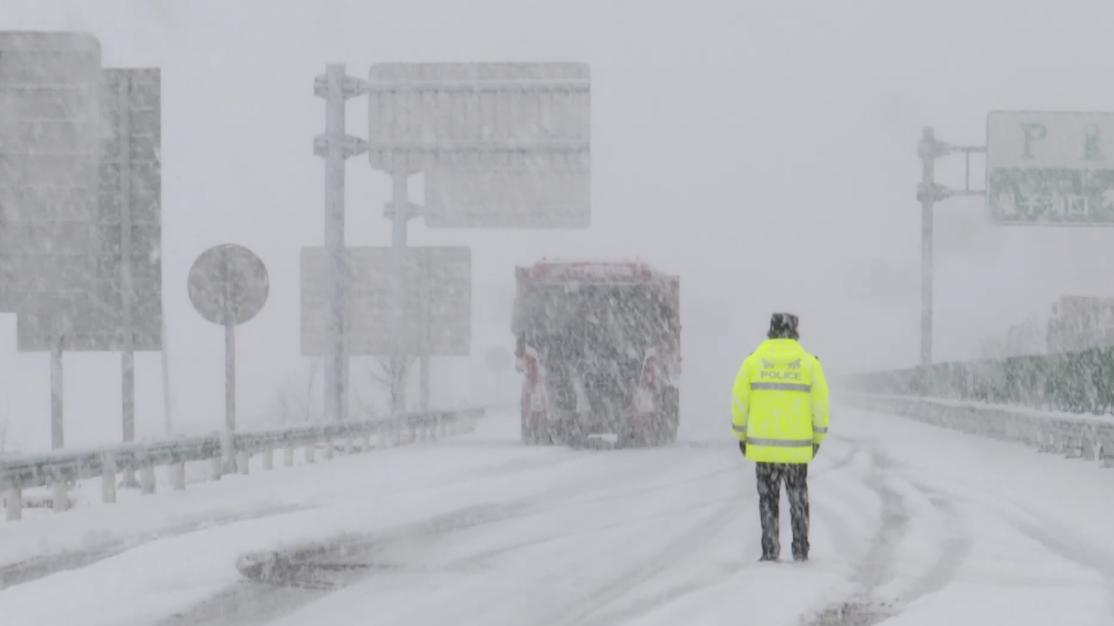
(780, 403)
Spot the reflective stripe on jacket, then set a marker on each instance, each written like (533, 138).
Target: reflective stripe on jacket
(780, 406)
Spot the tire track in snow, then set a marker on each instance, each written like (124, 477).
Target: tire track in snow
(1058, 539)
(707, 573)
(877, 567)
(591, 609)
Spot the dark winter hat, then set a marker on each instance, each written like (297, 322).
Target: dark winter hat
(783, 326)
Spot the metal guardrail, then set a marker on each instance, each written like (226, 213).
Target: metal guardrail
(1076, 436)
(224, 451)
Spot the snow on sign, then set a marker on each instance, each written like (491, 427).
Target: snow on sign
(434, 308)
(49, 92)
(1050, 168)
(501, 144)
(228, 284)
(51, 243)
(88, 295)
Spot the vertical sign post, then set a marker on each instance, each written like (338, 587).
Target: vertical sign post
(230, 376)
(399, 218)
(127, 357)
(335, 146)
(57, 437)
(927, 197)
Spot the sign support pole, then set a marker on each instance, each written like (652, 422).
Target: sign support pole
(230, 376)
(928, 198)
(399, 217)
(336, 146)
(167, 404)
(57, 439)
(127, 288)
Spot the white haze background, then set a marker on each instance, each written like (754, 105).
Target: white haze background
(765, 152)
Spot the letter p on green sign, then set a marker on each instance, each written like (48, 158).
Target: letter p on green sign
(1033, 134)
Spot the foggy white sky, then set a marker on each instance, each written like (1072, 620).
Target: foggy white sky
(763, 151)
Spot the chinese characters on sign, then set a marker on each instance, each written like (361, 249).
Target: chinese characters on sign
(1050, 168)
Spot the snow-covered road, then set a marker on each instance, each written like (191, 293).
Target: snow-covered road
(911, 525)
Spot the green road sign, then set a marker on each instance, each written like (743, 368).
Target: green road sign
(1050, 168)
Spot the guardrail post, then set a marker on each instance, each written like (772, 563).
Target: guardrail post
(309, 452)
(242, 461)
(268, 459)
(328, 449)
(177, 473)
(147, 478)
(216, 466)
(13, 503)
(61, 500)
(288, 457)
(108, 479)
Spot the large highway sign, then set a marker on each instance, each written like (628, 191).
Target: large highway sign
(49, 143)
(85, 294)
(1051, 168)
(501, 144)
(435, 298)
(79, 168)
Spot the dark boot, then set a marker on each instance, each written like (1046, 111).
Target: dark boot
(769, 491)
(796, 487)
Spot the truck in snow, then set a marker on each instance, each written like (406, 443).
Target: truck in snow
(599, 347)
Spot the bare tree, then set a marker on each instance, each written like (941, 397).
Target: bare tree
(392, 374)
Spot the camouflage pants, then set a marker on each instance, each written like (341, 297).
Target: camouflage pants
(770, 476)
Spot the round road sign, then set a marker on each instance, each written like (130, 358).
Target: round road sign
(228, 284)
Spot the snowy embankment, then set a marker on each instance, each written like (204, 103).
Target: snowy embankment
(1073, 434)
(912, 524)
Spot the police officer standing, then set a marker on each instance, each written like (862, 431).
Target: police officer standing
(780, 416)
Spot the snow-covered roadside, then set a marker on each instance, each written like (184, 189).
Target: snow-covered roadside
(137, 518)
(912, 525)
